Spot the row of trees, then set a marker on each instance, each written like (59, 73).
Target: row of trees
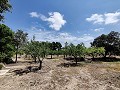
(12, 43)
(39, 50)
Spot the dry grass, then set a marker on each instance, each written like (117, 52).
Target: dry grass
(114, 66)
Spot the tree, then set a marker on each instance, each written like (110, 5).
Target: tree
(55, 48)
(43, 50)
(38, 50)
(20, 39)
(4, 6)
(65, 50)
(95, 51)
(110, 42)
(6, 43)
(76, 51)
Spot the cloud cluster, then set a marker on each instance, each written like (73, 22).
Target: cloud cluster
(107, 18)
(45, 35)
(55, 19)
(34, 14)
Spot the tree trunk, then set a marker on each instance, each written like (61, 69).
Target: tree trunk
(16, 54)
(35, 59)
(75, 60)
(105, 55)
(40, 65)
(51, 56)
(93, 58)
(64, 56)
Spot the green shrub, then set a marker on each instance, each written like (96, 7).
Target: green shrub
(1, 66)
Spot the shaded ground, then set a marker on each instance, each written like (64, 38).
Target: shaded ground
(59, 74)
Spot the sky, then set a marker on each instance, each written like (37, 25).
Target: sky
(72, 21)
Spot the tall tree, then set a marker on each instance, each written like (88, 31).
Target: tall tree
(6, 43)
(110, 42)
(20, 39)
(4, 7)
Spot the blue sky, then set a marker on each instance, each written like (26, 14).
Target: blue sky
(72, 21)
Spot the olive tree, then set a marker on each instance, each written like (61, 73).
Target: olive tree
(38, 50)
(95, 51)
(20, 39)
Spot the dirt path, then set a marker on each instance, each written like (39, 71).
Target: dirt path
(57, 75)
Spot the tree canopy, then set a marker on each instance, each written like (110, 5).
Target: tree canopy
(4, 7)
(6, 42)
(110, 42)
(20, 39)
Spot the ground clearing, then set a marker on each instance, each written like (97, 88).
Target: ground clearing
(59, 74)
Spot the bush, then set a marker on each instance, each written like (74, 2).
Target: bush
(1, 66)
(8, 60)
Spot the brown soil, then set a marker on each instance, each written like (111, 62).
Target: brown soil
(58, 74)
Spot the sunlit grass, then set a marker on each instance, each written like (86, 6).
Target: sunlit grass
(113, 66)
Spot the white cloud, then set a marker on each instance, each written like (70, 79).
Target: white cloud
(55, 19)
(112, 18)
(98, 29)
(34, 14)
(96, 18)
(107, 18)
(44, 35)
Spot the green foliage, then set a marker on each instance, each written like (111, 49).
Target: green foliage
(37, 49)
(75, 51)
(95, 51)
(6, 43)
(55, 48)
(20, 40)
(4, 6)
(110, 42)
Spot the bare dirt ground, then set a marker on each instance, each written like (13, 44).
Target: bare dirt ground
(59, 74)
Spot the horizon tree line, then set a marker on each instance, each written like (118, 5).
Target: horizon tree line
(14, 43)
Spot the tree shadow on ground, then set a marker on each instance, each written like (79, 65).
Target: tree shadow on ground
(69, 64)
(26, 70)
(107, 59)
(51, 58)
(79, 59)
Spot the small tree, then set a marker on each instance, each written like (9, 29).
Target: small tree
(95, 51)
(76, 51)
(38, 50)
(20, 39)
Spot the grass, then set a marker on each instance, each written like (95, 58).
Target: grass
(115, 66)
